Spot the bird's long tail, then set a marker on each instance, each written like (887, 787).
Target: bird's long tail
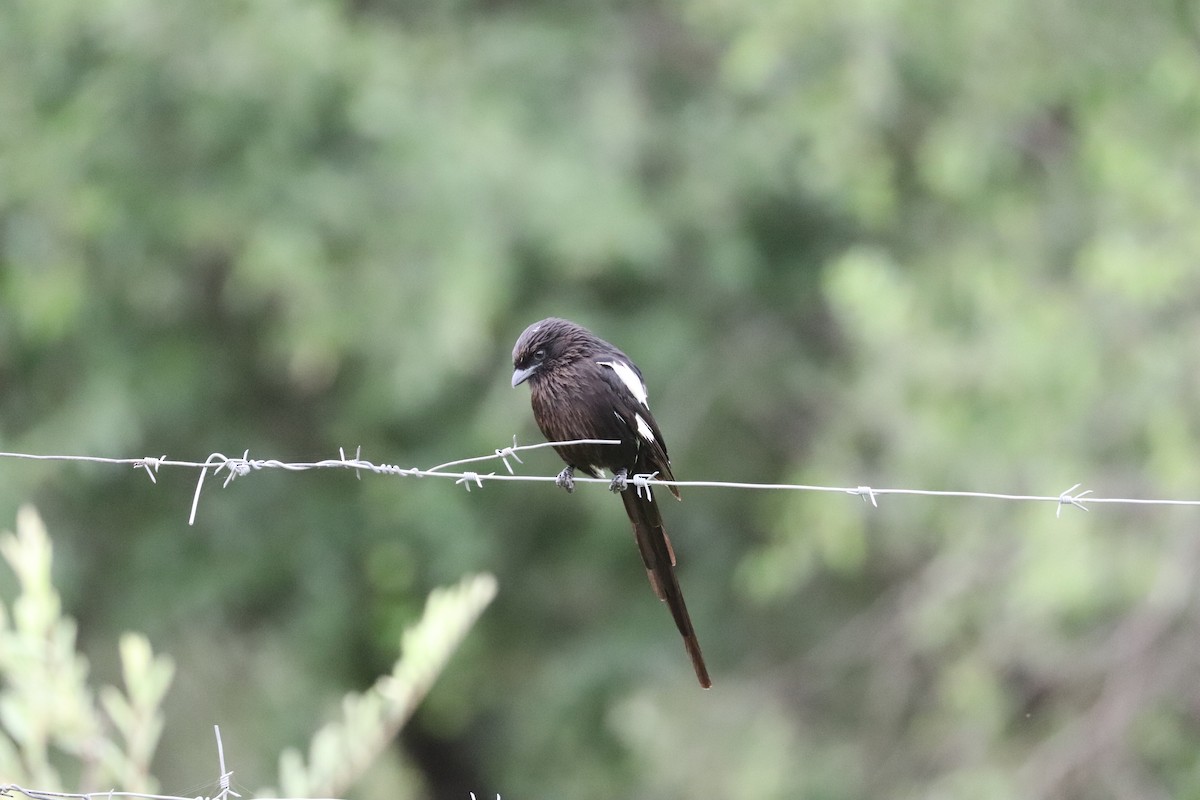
(659, 559)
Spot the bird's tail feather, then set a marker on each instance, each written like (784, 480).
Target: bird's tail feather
(659, 558)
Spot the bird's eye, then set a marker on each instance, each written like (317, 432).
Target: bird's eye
(539, 354)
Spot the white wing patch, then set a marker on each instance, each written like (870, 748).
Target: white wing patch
(644, 428)
(631, 380)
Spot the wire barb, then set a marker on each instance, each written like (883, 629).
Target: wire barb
(354, 462)
(236, 467)
(642, 482)
(504, 453)
(151, 465)
(1066, 498)
(866, 493)
(469, 477)
(226, 775)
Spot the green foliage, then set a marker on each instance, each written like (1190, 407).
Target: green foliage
(48, 711)
(341, 751)
(894, 244)
(47, 708)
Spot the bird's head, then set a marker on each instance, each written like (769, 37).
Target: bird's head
(547, 345)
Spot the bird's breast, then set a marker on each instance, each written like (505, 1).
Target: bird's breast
(567, 410)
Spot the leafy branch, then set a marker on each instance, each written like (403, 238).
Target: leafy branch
(55, 732)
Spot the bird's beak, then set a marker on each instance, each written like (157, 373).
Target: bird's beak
(522, 375)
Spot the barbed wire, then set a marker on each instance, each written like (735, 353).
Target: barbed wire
(223, 782)
(237, 466)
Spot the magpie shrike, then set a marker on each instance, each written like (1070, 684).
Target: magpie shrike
(582, 387)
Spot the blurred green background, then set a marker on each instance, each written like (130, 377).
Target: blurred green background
(920, 244)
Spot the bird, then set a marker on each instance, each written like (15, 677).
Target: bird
(582, 387)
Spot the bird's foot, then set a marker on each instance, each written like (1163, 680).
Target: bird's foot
(566, 479)
(620, 481)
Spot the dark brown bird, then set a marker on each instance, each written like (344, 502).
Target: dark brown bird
(582, 387)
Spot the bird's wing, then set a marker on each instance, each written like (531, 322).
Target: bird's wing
(632, 408)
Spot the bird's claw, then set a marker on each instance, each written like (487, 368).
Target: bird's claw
(566, 479)
(619, 482)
